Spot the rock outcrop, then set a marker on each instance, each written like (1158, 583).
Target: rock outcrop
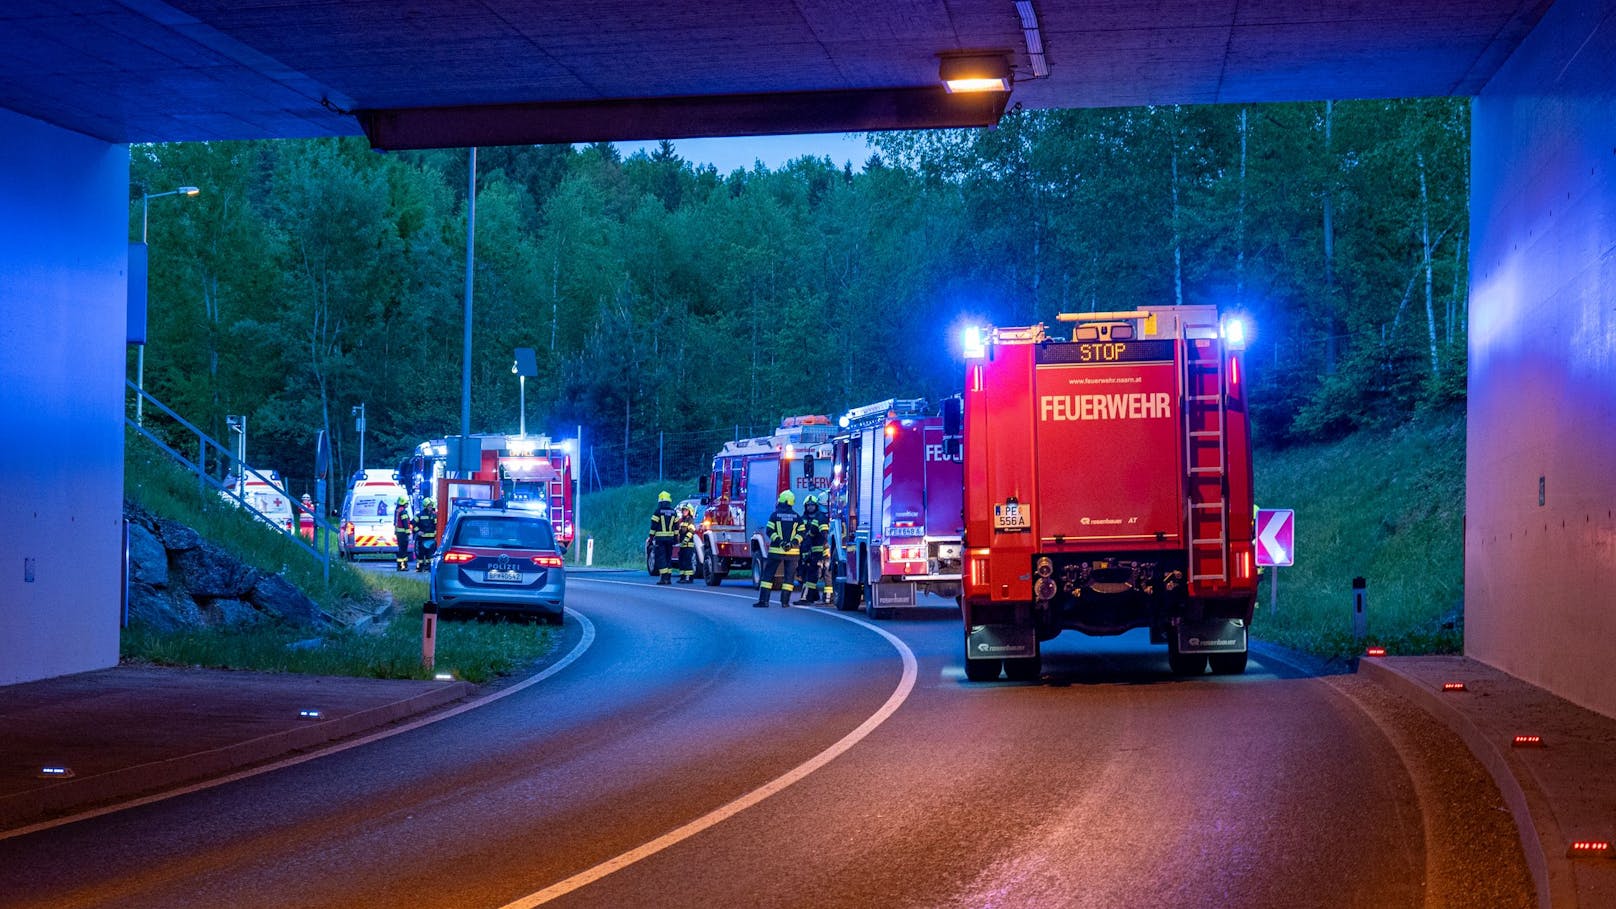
(178, 580)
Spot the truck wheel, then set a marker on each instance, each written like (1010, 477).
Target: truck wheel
(712, 577)
(982, 670)
(1228, 663)
(1025, 669)
(1184, 663)
(867, 594)
(757, 570)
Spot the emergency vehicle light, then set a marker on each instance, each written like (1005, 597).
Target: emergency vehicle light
(973, 345)
(1376, 651)
(55, 773)
(1527, 741)
(1589, 849)
(443, 677)
(1454, 686)
(310, 714)
(1234, 333)
(892, 430)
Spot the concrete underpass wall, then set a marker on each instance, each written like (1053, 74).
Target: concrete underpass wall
(1540, 575)
(64, 248)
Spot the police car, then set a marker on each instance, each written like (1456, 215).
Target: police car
(498, 561)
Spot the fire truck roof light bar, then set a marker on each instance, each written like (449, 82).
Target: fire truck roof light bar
(1102, 316)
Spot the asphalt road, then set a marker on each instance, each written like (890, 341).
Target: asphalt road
(1109, 783)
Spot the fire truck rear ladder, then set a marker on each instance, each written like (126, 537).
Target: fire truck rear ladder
(1202, 510)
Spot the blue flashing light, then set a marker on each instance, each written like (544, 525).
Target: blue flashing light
(1234, 333)
(972, 343)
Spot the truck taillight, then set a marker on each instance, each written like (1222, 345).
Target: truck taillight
(892, 430)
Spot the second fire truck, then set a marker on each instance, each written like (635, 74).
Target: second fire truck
(1108, 486)
(896, 522)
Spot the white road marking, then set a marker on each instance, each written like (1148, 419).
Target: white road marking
(572, 656)
(779, 783)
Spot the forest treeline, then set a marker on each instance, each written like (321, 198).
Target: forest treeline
(673, 307)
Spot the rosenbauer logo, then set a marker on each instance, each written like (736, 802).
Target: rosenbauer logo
(1130, 406)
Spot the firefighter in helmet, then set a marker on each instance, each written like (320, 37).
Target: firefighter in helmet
(685, 538)
(426, 533)
(401, 531)
(664, 528)
(785, 544)
(815, 536)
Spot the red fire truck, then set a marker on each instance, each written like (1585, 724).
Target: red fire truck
(896, 521)
(1108, 487)
(532, 472)
(753, 472)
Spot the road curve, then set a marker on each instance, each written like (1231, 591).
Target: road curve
(1107, 784)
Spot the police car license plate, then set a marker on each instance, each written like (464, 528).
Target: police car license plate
(509, 576)
(1012, 516)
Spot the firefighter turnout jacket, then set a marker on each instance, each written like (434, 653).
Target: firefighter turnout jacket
(664, 521)
(785, 531)
(815, 530)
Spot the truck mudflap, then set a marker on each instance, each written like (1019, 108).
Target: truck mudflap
(1212, 636)
(997, 642)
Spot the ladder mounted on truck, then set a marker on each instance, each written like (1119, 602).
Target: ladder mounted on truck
(1204, 393)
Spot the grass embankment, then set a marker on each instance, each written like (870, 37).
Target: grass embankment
(1387, 506)
(618, 519)
(474, 651)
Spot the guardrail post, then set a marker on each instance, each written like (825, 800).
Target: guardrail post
(429, 634)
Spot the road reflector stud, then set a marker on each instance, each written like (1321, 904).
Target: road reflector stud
(1454, 686)
(1589, 849)
(1528, 741)
(1376, 651)
(308, 714)
(55, 773)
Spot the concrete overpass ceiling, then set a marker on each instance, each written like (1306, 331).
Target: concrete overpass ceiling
(151, 70)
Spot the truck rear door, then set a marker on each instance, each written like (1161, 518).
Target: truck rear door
(762, 487)
(1109, 444)
(945, 486)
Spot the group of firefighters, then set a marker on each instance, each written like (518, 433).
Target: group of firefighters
(421, 527)
(797, 545)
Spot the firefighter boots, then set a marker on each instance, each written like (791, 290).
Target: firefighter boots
(663, 580)
(785, 596)
(402, 566)
(763, 597)
(686, 579)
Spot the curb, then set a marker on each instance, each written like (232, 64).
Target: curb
(1552, 872)
(68, 795)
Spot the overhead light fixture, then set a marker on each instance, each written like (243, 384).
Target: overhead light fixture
(984, 73)
(1035, 39)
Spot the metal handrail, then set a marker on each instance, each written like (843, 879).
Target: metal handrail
(198, 467)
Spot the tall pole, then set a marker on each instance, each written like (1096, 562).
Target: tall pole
(521, 384)
(578, 497)
(140, 349)
(465, 347)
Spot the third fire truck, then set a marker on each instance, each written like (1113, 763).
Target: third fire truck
(1108, 486)
(751, 474)
(896, 523)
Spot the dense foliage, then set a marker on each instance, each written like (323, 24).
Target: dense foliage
(668, 301)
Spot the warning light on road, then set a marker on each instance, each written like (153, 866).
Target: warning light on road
(1376, 651)
(55, 773)
(443, 677)
(1589, 849)
(1454, 686)
(1528, 741)
(310, 714)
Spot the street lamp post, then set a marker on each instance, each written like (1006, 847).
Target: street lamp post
(140, 349)
(238, 424)
(359, 426)
(521, 398)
